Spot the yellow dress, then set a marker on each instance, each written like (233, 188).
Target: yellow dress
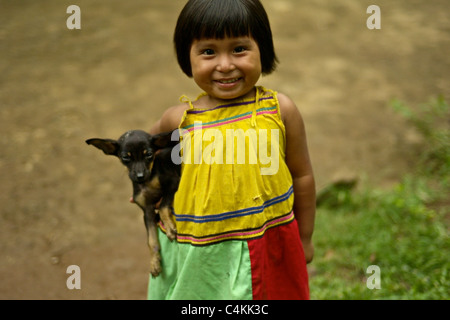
(235, 188)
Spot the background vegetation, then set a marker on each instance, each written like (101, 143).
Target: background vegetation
(403, 230)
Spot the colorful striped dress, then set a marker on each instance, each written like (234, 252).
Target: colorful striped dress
(237, 235)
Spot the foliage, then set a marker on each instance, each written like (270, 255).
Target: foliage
(432, 120)
(403, 230)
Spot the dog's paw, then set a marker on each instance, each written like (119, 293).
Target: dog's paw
(155, 265)
(171, 233)
(169, 224)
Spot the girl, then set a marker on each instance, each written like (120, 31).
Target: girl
(244, 219)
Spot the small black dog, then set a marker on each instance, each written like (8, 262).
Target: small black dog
(155, 178)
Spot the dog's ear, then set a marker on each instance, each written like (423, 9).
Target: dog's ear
(165, 140)
(108, 146)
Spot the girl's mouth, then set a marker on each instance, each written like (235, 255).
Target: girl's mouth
(228, 83)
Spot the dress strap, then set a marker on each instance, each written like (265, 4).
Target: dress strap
(185, 99)
(256, 105)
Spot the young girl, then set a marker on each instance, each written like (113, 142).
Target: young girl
(245, 205)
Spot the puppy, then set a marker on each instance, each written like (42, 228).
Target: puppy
(155, 177)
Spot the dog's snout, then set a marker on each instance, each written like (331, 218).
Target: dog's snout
(139, 172)
(140, 176)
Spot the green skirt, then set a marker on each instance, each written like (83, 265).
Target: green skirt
(270, 267)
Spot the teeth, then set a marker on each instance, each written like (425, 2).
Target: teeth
(229, 81)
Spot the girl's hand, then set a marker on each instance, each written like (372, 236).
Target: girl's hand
(156, 206)
(308, 248)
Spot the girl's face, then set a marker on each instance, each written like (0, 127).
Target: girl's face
(226, 68)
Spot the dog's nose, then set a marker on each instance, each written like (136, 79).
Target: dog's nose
(140, 176)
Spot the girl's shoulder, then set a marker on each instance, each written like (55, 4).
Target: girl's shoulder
(171, 118)
(288, 108)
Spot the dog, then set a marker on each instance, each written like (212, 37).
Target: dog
(155, 177)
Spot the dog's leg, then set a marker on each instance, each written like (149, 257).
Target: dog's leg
(153, 242)
(166, 216)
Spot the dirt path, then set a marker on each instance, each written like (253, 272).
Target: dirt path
(62, 203)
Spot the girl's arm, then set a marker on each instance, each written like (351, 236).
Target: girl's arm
(299, 164)
(170, 119)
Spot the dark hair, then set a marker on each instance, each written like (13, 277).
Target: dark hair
(218, 19)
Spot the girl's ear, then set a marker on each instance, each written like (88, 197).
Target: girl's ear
(165, 140)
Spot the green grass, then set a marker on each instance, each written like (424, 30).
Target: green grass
(403, 230)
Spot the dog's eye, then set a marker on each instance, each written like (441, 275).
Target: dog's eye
(148, 155)
(126, 158)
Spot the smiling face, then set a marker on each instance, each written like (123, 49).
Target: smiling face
(226, 68)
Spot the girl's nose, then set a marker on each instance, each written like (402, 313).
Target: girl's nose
(225, 64)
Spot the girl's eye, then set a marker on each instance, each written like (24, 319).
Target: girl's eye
(208, 52)
(239, 49)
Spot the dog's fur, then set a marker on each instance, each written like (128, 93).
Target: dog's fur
(155, 178)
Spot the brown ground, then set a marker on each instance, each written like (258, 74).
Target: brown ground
(64, 203)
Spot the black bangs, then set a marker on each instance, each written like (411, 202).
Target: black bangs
(217, 19)
(222, 19)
